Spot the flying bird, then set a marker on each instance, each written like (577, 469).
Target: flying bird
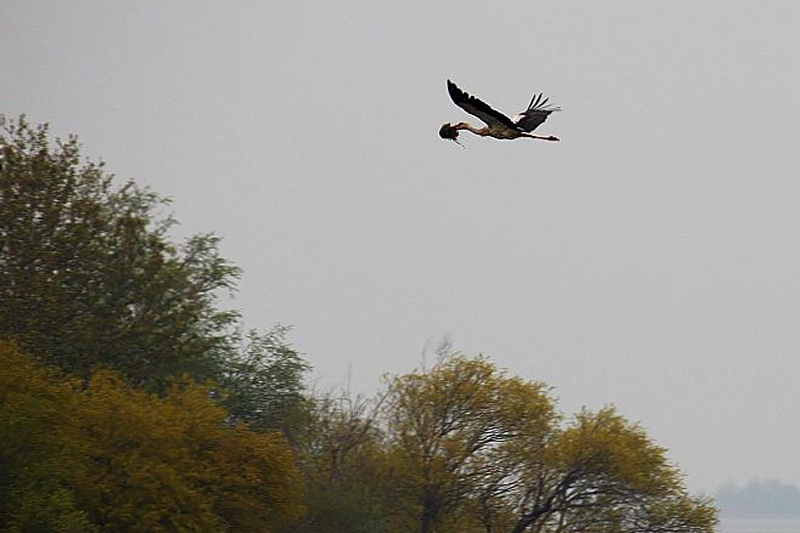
(498, 125)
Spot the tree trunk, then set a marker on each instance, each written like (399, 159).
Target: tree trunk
(428, 518)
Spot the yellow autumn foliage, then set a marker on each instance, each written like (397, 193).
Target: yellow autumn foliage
(474, 449)
(42, 450)
(143, 462)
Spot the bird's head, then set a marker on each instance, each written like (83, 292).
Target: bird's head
(449, 132)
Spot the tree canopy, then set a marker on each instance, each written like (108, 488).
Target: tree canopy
(131, 402)
(473, 445)
(263, 381)
(88, 275)
(449, 426)
(102, 456)
(111, 325)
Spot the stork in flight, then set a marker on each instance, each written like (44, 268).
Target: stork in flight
(498, 125)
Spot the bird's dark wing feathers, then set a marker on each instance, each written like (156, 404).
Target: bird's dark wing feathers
(537, 112)
(479, 108)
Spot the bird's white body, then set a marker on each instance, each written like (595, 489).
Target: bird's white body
(498, 125)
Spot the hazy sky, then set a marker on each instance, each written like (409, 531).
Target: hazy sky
(650, 260)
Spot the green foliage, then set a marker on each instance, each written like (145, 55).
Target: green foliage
(353, 507)
(263, 382)
(88, 276)
(91, 284)
(343, 459)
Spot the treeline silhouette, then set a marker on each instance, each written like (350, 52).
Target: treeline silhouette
(759, 498)
(131, 402)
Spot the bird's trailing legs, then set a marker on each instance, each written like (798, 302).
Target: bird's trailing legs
(548, 138)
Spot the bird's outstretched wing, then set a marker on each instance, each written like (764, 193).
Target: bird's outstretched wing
(537, 112)
(479, 108)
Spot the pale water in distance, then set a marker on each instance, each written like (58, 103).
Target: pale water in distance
(759, 525)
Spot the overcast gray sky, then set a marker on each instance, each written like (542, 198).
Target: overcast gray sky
(650, 260)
